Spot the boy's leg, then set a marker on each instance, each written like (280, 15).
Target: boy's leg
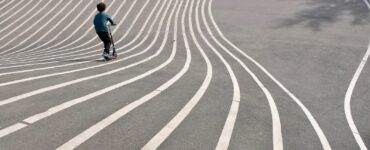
(104, 36)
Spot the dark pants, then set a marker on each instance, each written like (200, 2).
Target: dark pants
(105, 37)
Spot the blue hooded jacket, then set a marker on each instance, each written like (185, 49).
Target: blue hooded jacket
(100, 22)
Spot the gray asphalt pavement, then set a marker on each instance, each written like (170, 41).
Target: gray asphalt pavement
(191, 74)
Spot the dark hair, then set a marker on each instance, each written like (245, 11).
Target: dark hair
(101, 7)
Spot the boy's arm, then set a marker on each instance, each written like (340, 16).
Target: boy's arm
(111, 21)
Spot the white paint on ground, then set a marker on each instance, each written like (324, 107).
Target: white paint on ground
(325, 143)
(347, 101)
(276, 124)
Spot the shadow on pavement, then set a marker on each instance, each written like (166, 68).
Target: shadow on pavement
(329, 11)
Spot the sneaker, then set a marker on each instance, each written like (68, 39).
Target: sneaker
(106, 56)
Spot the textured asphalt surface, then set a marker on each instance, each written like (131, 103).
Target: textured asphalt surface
(267, 74)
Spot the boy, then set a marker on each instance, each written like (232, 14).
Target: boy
(100, 22)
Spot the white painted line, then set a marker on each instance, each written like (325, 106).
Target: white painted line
(131, 42)
(11, 129)
(91, 67)
(87, 134)
(45, 89)
(347, 101)
(276, 124)
(165, 132)
(68, 104)
(367, 3)
(47, 54)
(315, 125)
(71, 34)
(44, 25)
(39, 20)
(20, 9)
(141, 31)
(7, 4)
(227, 131)
(11, 9)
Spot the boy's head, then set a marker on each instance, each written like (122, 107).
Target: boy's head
(101, 7)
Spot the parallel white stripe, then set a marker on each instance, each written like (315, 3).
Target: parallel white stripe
(347, 101)
(121, 39)
(44, 25)
(11, 129)
(91, 67)
(65, 39)
(42, 90)
(70, 64)
(51, 111)
(7, 4)
(347, 98)
(88, 133)
(56, 36)
(91, 40)
(11, 9)
(51, 52)
(165, 132)
(224, 140)
(276, 125)
(25, 15)
(20, 9)
(141, 31)
(37, 21)
(312, 120)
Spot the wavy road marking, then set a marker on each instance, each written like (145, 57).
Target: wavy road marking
(70, 35)
(347, 98)
(44, 25)
(276, 124)
(11, 9)
(86, 68)
(58, 108)
(165, 132)
(224, 140)
(7, 4)
(347, 101)
(324, 142)
(50, 53)
(91, 131)
(24, 15)
(42, 90)
(20, 9)
(131, 42)
(35, 23)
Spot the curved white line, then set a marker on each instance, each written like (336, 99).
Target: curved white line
(165, 132)
(11, 9)
(44, 25)
(24, 15)
(224, 140)
(69, 64)
(7, 4)
(38, 21)
(276, 125)
(50, 53)
(140, 32)
(20, 9)
(315, 125)
(91, 131)
(347, 101)
(42, 90)
(68, 104)
(347, 98)
(91, 67)
(56, 36)
(121, 39)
